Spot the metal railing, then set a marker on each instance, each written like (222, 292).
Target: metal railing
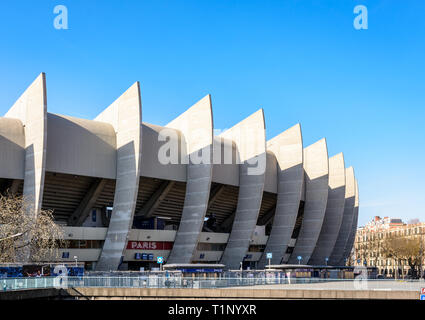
(7, 284)
(159, 281)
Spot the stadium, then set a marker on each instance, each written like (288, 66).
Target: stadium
(127, 192)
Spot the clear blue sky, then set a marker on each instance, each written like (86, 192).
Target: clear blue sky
(302, 61)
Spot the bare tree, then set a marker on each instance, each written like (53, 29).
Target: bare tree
(23, 230)
(403, 248)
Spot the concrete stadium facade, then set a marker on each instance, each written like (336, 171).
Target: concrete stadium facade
(228, 199)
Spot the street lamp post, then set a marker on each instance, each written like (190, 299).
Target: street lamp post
(299, 259)
(76, 261)
(269, 256)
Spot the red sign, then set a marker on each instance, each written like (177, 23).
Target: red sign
(149, 245)
(423, 290)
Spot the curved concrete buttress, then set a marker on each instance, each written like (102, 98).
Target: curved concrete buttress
(249, 137)
(347, 218)
(334, 211)
(31, 110)
(12, 146)
(316, 168)
(125, 115)
(288, 149)
(352, 236)
(196, 124)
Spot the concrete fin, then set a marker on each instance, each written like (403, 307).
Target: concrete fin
(288, 149)
(125, 115)
(334, 211)
(196, 125)
(250, 140)
(316, 179)
(347, 218)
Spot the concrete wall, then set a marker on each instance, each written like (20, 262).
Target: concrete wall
(152, 235)
(249, 137)
(125, 115)
(208, 256)
(206, 294)
(86, 255)
(196, 124)
(225, 168)
(271, 175)
(84, 233)
(334, 211)
(228, 172)
(81, 147)
(347, 218)
(213, 237)
(237, 293)
(288, 149)
(259, 237)
(316, 180)
(151, 167)
(12, 146)
(94, 233)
